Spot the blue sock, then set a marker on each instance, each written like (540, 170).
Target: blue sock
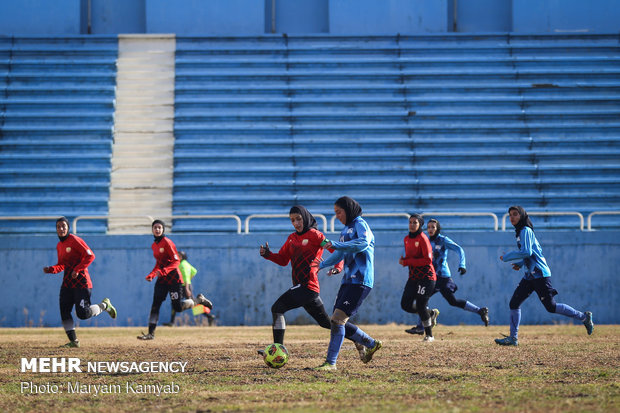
(471, 307)
(569, 311)
(361, 337)
(335, 342)
(515, 320)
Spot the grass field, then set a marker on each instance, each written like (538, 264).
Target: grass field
(555, 369)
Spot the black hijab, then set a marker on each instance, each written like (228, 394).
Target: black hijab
(438, 227)
(351, 208)
(306, 216)
(421, 221)
(159, 221)
(523, 222)
(63, 219)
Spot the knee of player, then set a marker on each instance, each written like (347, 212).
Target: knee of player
(83, 314)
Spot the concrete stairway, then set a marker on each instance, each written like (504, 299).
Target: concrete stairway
(142, 160)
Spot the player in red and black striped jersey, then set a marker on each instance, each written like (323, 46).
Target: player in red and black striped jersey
(301, 249)
(169, 280)
(74, 257)
(421, 283)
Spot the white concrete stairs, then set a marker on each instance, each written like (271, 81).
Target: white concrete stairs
(143, 150)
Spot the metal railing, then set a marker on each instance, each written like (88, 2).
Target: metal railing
(151, 219)
(466, 214)
(387, 214)
(551, 214)
(250, 217)
(599, 213)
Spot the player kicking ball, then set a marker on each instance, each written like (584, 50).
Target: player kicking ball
(74, 257)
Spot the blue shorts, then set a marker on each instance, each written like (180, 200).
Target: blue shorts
(445, 284)
(350, 298)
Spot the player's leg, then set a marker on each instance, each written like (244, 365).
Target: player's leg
(292, 298)
(546, 292)
(423, 293)
(177, 296)
(521, 293)
(159, 295)
(65, 300)
(85, 310)
(448, 288)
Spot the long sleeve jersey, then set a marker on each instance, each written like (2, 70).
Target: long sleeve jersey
(167, 261)
(74, 255)
(301, 251)
(441, 244)
(357, 248)
(419, 257)
(187, 272)
(529, 255)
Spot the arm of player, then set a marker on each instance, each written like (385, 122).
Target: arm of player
(86, 257)
(451, 245)
(282, 257)
(527, 242)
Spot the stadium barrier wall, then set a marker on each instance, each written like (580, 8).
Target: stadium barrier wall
(243, 286)
(349, 17)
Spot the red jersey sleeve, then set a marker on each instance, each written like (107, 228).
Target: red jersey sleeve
(86, 255)
(173, 261)
(282, 257)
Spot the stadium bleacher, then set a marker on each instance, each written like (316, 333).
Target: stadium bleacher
(57, 128)
(442, 123)
(401, 123)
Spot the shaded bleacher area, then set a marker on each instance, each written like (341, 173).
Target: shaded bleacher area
(56, 128)
(401, 123)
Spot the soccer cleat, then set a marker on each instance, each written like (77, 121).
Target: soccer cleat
(415, 330)
(589, 323)
(72, 344)
(428, 339)
(361, 349)
(203, 300)
(261, 352)
(369, 352)
(168, 324)
(507, 341)
(109, 307)
(484, 315)
(148, 336)
(325, 367)
(434, 315)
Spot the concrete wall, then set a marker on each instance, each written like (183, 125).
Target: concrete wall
(364, 17)
(388, 16)
(243, 285)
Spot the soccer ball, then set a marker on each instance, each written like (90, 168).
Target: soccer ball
(276, 355)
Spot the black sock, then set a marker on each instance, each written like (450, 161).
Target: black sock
(278, 336)
(152, 328)
(428, 331)
(71, 335)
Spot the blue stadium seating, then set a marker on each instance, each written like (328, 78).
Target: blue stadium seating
(401, 123)
(57, 105)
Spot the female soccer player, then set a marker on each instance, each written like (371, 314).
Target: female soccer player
(188, 272)
(537, 278)
(74, 257)
(301, 248)
(168, 279)
(356, 247)
(421, 283)
(445, 284)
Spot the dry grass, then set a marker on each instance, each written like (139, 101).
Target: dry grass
(555, 369)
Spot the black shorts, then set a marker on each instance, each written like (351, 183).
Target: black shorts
(542, 286)
(445, 284)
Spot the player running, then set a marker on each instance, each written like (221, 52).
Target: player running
(301, 248)
(169, 280)
(441, 244)
(74, 257)
(537, 278)
(356, 247)
(188, 272)
(421, 282)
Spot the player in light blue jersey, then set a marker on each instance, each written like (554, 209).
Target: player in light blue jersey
(356, 247)
(441, 244)
(537, 278)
